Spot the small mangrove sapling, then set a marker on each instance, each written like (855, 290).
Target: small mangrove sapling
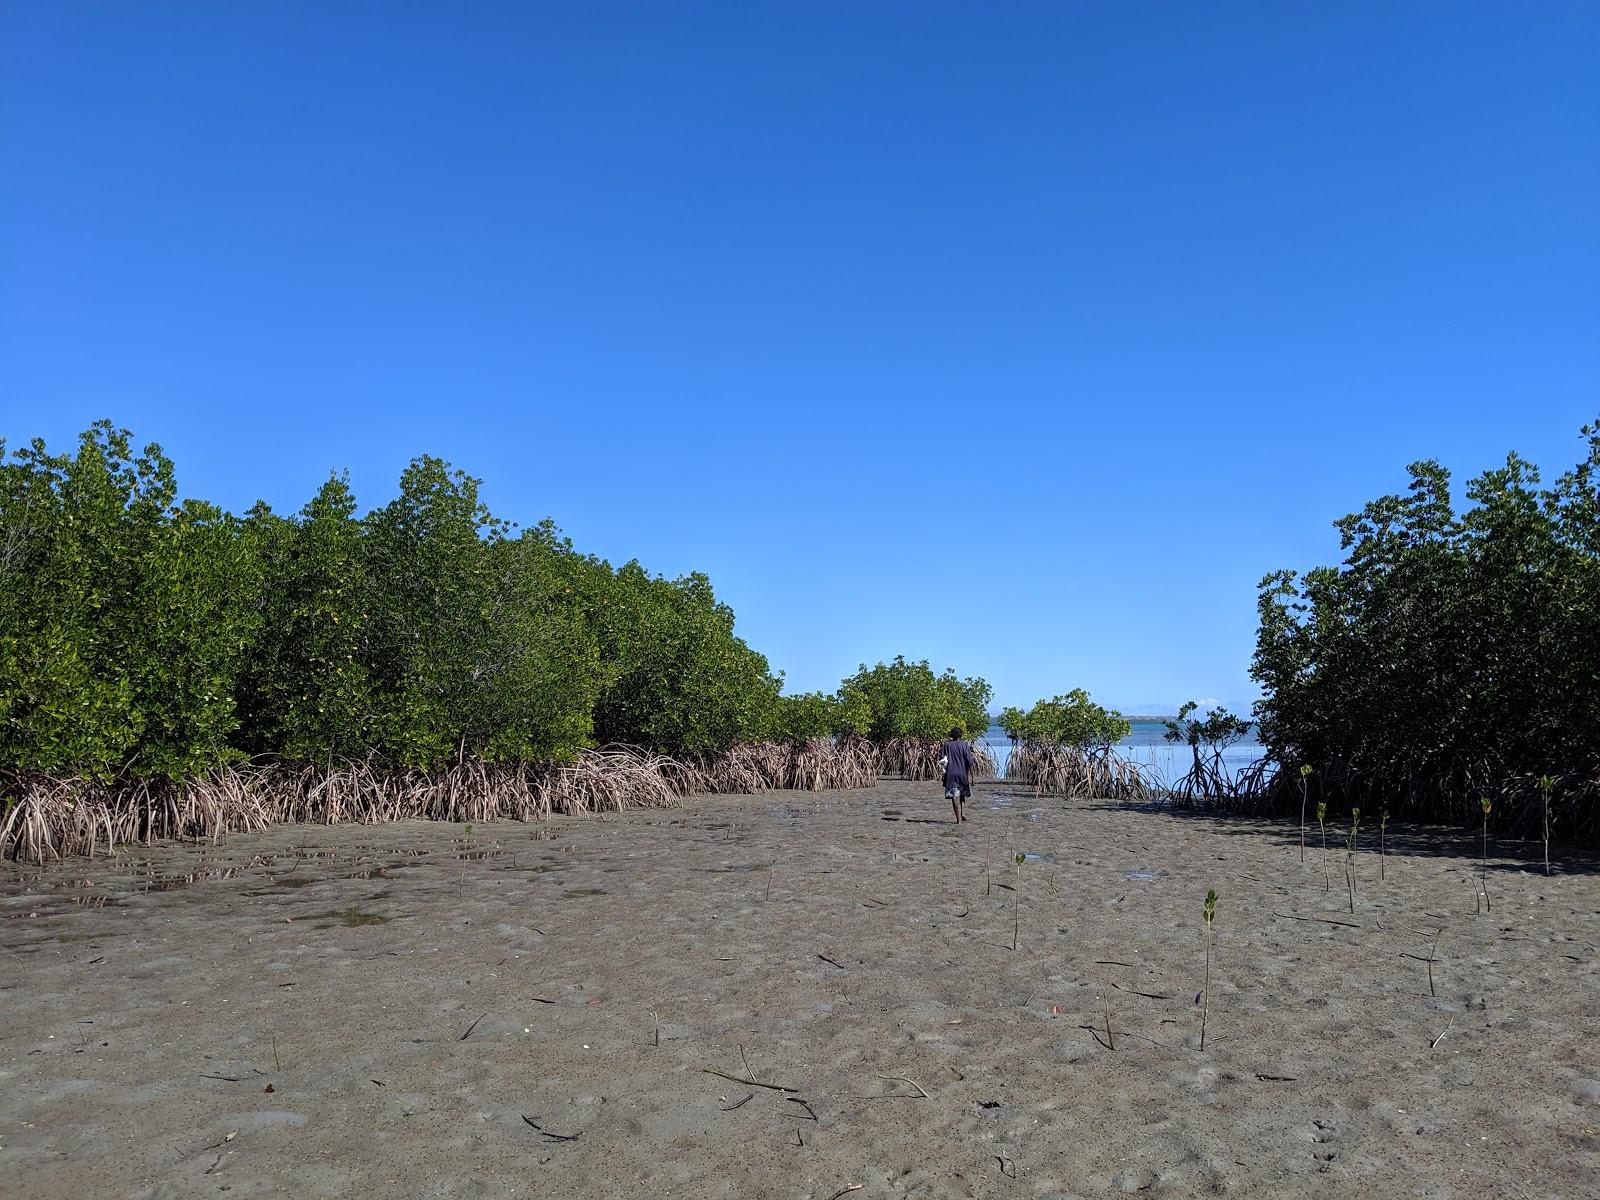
(1322, 813)
(1305, 773)
(1016, 927)
(1205, 993)
(1545, 784)
(1350, 857)
(1383, 853)
(1488, 806)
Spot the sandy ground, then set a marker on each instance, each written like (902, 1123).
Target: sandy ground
(413, 1010)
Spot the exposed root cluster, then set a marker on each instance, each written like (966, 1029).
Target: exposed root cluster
(1057, 770)
(46, 817)
(918, 758)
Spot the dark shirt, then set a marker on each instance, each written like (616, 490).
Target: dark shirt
(960, 764)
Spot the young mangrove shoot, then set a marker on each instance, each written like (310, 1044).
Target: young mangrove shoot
(1016, 926)
(1305, 773)
(1545, 784)
(1487, 806)
(1322, 813)
(1205, 993)
(1383, 853)
(1350, 857)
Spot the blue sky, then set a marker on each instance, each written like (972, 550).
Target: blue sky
(1024, 338)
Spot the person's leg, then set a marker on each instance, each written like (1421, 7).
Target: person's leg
(954, 796)
(962, 796)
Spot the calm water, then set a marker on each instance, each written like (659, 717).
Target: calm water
(1147, 746)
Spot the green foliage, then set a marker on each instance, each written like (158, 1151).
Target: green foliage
(680, 679)
(1070, 720)
(906, 699)
(305, 691)
(818, 715)
(1450, 650)
(141, 637)
(1210, 735)
(124, 619)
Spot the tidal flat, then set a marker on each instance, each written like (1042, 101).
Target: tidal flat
(795, 994)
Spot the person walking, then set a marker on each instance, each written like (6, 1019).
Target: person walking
(960, 764)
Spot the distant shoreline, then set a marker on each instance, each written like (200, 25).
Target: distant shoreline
(1144, 719)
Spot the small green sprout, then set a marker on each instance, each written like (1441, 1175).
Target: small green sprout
(1305, 774)
(1205, 993)
(1322, 814)
(1546, 783)
(1016, 924)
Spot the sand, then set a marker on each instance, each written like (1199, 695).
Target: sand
(532, 1010)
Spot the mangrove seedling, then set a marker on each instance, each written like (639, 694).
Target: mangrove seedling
(1205, 993)
(1350, 857)
(1487, 806)
(1305, 773)
(1016, 925)
(1383, 853)
(1322, 813)
(1434, 946)
(1545, 784)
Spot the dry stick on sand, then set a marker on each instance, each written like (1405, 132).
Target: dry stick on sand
(1434, 1045)
(752, 1081)
(554, 1137)
(921, 1093)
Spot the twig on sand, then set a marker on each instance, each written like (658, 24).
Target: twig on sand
(835, 962)
(921, 1094)
(1137, 992)
(796, 1100)
(845, 1191)
(748, 1096)
(771, 1087)
(471, 1027)
(1433, 1045)
(1321, 920)
(554, 1137)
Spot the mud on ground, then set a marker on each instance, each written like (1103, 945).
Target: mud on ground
(415, 1010)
